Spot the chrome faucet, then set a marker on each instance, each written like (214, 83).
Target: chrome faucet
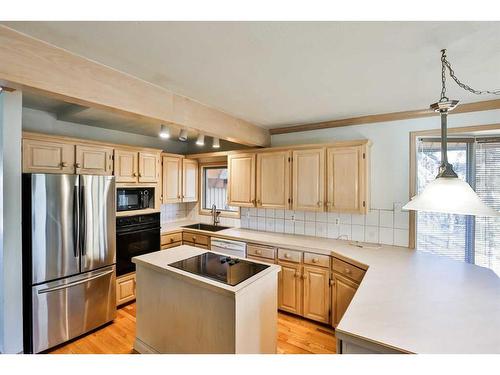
(215, 215)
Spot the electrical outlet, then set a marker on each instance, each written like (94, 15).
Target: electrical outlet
(337, 221)
(293, 217)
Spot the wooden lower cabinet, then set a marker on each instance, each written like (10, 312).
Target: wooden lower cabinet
(316, 293)
(171, 240)
(206, 247)
(290, 288)
(125, 288)
(343, 291)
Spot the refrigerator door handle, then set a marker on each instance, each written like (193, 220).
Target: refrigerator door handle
(83, 219)
(76, 221)
(65, 286)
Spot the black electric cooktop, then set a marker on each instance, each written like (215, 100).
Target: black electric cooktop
(222, 268)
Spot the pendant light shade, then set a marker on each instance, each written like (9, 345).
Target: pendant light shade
(201, 140)
(216, 143)
(450, 195)
(183, 135)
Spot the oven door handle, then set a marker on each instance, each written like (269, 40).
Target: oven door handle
(118, 232)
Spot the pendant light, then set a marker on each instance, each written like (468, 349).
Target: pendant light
(201, 140)
(183, 135)
(447, 193)
(215, 143)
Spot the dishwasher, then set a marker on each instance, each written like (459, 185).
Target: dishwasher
(229, 247)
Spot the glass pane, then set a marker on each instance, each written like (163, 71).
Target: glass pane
(442, 234)
(487, 242)
(215, 189)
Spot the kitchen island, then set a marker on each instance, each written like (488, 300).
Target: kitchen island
(182, 310)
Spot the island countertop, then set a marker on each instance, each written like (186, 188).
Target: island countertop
(160, 261)
(408, 300)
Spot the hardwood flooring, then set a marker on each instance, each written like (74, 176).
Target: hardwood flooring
(295, 336)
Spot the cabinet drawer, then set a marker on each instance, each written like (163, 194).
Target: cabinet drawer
(348, 270)
(167, 239)
(125, 288)
(317, 260)
(261, 251)
(290, 255)
(259, 259)
(198, 239)
(206, 247)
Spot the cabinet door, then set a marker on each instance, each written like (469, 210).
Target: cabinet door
(125, 289)
(343, 291)
(149, 167)
(125, 166)
(41, 156)
(94, 160)
(290, 288)
(189, 180)
(308, 179)
(273, 179)
(171, 180)
(241, 181)
(346, 179)
(316, 293)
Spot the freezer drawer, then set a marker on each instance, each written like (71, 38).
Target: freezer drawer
(67, 308)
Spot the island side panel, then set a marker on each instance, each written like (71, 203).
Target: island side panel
(257, 316)
(179, 315)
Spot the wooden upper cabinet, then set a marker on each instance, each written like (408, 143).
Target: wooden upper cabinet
(316, 293)
(308, 184)
(149, 167)
(189, 180)
(273, 179)
(290, 287)
(126, 166)
(94, 160)
(172, 179)
(343, 291)
(41, 156)
(241, 180)
(347, 179)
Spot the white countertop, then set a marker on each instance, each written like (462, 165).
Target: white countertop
(160, 260)
(408, 300)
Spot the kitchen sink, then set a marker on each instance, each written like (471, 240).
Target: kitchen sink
(208, 227)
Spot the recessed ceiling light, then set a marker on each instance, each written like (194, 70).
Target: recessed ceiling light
(216, 143)
(164, 132)
(183, 135)
(201, 140)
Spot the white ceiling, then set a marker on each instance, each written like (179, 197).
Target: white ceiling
(280, 73)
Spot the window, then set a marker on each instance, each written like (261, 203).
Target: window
(466, 238)
(214, 189)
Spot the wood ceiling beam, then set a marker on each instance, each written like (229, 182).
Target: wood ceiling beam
(30, 64)
(395, 116)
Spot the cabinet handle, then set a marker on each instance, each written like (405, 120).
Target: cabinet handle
(287, 255)
(77, 165)
(253, 202)
(259, 252)
(194, 238)
(315, 260)
(320, 203)
(64, 164)
(347, 270)
(297, 274)
(171, 240)
(259, 202)
(329, 204)
(178, 196)
(140, 175)
(134, 174)
(332, 282)
(304, 276)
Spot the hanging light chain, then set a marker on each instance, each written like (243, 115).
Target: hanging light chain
(446, 64)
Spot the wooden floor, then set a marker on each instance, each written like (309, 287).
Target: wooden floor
(295, 336)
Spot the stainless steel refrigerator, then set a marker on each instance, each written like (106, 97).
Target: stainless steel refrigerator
(68, 257)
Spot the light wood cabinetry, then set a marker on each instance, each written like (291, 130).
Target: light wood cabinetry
(290, 287)
(316, 293)
(196, 239)
(261, 251)
(308, 181)
(97, 160)
(172, 179)
(189, 180)
(126, 165)
(343, 291)
(241, 179)
(347, 179)
(171, 240)
(125, 288)
(273, 179)
(149, 167)
(45, 156)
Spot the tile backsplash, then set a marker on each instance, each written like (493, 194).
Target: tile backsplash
(176, 211)
(377, 226)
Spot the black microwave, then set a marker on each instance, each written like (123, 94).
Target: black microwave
(129, 199)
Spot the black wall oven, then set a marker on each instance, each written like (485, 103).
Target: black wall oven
(129, 199)
(135, 235)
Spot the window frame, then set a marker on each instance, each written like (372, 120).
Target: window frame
(204, 211)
